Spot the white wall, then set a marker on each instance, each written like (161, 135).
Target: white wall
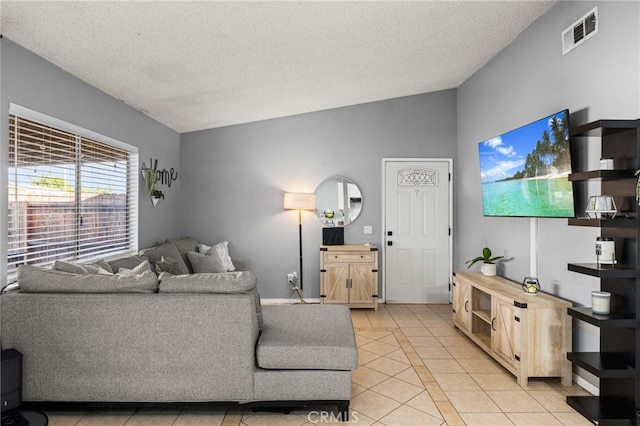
(30, 81)
(528, 80)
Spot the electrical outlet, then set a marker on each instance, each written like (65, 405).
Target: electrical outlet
(292, 277)
(368, 230)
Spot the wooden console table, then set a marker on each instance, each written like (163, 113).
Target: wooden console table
(528, 334)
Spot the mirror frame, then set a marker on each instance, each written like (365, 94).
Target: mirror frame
(328, 212)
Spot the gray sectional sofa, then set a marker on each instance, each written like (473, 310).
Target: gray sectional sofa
(202, 337)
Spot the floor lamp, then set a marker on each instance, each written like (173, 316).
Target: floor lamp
(299, 201)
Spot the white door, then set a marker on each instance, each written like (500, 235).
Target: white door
(417, 245)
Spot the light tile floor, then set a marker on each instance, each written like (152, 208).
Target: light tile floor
(414, 369)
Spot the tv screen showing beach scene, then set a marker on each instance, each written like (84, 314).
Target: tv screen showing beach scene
(525, 172)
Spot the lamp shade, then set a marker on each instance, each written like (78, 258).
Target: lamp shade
(299, 200)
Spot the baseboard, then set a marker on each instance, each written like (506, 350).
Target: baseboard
(586, 385)
(292, 301)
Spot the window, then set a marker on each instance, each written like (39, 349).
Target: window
(72, 194)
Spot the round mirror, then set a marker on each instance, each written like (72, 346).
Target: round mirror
(338, 201)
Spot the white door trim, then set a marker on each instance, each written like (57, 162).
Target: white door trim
(383, 238)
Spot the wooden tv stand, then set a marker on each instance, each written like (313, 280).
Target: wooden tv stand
(528, 334)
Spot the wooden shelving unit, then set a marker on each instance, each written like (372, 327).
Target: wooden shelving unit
(615, 363)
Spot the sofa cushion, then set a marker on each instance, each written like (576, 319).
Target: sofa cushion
(210, 262)
(222, 249)
(314, 337)
(227, 282)
(33, 279)
(97, 267)
(167, 250)
(185, 245)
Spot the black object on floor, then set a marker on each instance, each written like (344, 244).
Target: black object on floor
(24, 418)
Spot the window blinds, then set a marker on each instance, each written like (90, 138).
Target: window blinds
(70, 197)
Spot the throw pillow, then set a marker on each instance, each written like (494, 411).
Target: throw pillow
(103, 266)
(166, 249)
(167, 264)
(75, 268)
(222, 250)
(143, 267)
(205, 263)
(129, 262)
(185, 245)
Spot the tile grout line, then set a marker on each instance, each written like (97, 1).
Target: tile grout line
(232, 417)
(446, 409)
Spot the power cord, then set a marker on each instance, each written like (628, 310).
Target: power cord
(296, 289)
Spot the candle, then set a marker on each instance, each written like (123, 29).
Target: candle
(600, 302)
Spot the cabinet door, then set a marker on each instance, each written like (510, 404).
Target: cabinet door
(504, 330)
(461, 309)
(363, 278)
(334, 283)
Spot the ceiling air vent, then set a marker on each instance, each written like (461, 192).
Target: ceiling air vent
(580, 31)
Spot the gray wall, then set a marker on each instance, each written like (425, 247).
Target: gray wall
(234, 178)
(31, 82)
(526, 81)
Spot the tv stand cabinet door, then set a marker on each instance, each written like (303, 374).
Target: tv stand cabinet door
(505, 329)
(461, 300)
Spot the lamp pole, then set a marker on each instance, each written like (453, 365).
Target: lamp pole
(300, 245)
(299, 201)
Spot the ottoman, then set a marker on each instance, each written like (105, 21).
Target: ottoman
(306, 353)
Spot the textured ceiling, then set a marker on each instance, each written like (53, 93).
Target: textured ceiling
(193, 65)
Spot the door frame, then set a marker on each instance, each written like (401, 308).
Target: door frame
(383, 238)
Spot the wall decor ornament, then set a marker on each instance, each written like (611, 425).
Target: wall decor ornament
(153, 177)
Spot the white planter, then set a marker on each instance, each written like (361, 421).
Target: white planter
(488, 269)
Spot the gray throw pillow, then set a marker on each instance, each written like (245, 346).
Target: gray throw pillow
(141, 268)
(166, 249)
(205, 263)
(167, 264)
(222, 251)
(82, 268)
(129, 262)
(185, 245)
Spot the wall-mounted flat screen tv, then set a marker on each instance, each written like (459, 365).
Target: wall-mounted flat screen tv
(524, 172)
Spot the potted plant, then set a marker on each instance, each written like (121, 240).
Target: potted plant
(156, 195)
(488, 263)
